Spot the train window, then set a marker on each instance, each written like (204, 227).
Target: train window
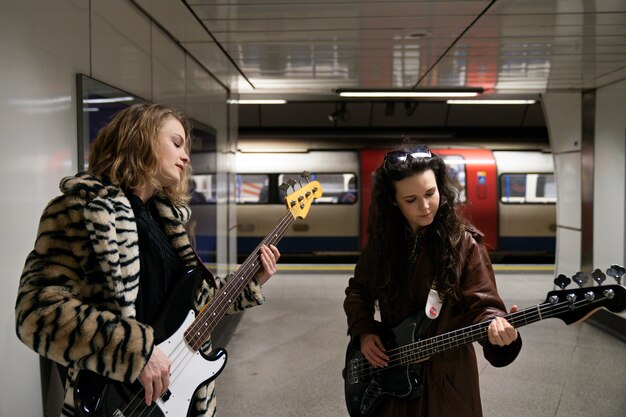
(527, 188)
(202, 189)
(456, 170)
(338, 188)
(252, 188)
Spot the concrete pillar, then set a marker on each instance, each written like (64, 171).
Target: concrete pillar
(588, 140)
(564, 122)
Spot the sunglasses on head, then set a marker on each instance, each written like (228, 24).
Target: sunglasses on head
(395, 158)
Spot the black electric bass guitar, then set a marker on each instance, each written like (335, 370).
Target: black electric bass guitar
(180, 335)
(365, 386)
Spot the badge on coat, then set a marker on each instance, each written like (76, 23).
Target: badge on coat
(433, 304)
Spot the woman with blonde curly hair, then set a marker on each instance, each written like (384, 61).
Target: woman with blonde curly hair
(109, 250)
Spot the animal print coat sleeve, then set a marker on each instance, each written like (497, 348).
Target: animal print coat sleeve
(65, 310)
(252, 294)
(174, 219)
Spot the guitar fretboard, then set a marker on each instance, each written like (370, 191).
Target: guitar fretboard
(198, 332)
(423, 349)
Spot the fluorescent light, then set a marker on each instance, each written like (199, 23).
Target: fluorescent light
(410, 93)
(108, 100)
(491, 101)
(259, 101)
(404, 94)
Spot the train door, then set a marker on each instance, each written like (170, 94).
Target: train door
(527, 202)
(474, 173)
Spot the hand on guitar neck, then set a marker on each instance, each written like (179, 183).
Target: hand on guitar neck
(500, 333)
(155, 376)
(269, 255)
(367, 385)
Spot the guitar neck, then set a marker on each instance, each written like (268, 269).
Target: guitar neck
(425, 348)
(198, 333)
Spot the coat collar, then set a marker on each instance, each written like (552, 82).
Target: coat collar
(110, 221)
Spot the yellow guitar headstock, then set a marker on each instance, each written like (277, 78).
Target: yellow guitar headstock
(299, 202)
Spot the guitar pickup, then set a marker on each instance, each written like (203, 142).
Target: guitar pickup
(166, 396)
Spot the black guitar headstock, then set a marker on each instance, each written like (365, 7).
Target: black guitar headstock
(575, 304)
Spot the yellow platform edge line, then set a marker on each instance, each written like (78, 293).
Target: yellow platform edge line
(350, 267)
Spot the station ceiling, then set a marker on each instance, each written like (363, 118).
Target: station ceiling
(304, 51)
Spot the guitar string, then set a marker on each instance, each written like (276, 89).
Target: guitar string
(178, 364)
(364, 368)
(253, 264)
(180, 349)
(413, 347)
(364, 365)
(250, 266)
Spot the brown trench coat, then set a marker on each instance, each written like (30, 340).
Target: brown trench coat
(451, 378)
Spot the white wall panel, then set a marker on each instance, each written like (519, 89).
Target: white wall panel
(567, 170)
(212, 58)
(563, 119)
(200, 88)
(567, 251)
(609, 176)
(206, 103)
(44, 44)
(168, 70)
(120, 37)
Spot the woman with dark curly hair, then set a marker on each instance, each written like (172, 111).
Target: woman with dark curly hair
(425, 267)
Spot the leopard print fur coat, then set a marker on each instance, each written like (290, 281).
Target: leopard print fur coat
(77, 293)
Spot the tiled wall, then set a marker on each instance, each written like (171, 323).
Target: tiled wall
(44, 44)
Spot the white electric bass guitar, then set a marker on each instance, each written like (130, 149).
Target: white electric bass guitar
(98, 396)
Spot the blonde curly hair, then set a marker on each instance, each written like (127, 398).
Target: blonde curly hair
(125, 149)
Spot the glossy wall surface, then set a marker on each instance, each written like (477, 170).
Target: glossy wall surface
(44, 45)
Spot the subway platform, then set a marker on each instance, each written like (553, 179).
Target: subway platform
(285, 357)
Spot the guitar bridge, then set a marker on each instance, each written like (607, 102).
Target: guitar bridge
(353, 371)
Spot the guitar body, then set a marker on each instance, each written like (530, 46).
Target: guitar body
(366, 386)
(98, 396)
(364, 393)
(180, 335)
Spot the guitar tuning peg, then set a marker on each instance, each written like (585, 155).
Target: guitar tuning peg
(291, 183)
(617, 272)
(598, 276)
(284, 187)
(562, 281)
(306, 175)
(580, 278)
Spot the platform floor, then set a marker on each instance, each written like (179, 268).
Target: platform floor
(285, 357)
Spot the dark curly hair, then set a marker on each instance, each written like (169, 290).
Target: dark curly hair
(387, 229)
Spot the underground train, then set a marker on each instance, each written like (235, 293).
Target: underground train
(508, 195)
